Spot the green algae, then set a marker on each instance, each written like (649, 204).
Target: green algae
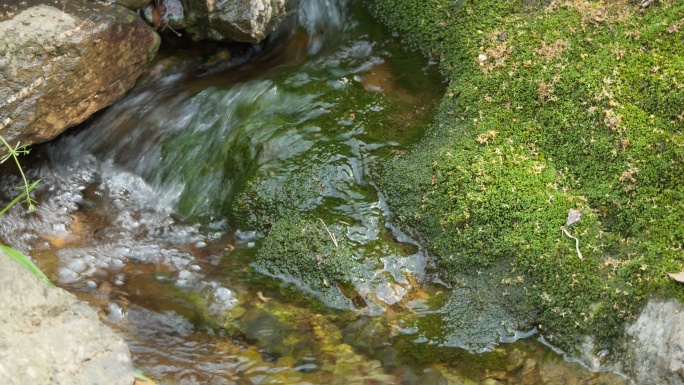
(574, 106)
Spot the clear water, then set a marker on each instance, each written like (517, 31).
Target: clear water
(146, 211)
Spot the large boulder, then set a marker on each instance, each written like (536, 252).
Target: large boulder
(47, 336)
(63, 60)
(246, 21)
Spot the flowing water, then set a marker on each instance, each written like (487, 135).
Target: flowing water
(170, 213)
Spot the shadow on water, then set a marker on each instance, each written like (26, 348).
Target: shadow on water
(162, 212)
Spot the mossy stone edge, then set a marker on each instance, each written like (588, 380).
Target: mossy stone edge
(572, 105)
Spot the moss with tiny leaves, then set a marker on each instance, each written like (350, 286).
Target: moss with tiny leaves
(306, 252)
(551, 107)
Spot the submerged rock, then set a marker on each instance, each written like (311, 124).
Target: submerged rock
(49, 337)
(63, 61)
(321, 261)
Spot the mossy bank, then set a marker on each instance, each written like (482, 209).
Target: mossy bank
(573, 105)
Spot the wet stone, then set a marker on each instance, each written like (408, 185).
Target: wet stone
(51, 337)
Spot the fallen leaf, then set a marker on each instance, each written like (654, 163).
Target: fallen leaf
(679, 277)
(158, 11)
(573, 216)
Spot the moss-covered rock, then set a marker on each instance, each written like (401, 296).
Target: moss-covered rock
(323, 261)
(575, 105)
(300, 251)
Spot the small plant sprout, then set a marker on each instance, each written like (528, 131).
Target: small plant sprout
(14, 152)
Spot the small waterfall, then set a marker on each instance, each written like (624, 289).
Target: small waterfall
(321, 19)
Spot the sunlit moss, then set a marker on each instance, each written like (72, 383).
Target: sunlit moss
(573, 106)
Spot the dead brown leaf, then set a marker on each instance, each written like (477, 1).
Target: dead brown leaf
(679, 277)
(158, 11)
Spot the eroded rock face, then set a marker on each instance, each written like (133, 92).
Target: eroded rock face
(246, 21)
(63, 60)
(47, 336)
(655, 344)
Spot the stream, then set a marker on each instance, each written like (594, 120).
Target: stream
(175, 213)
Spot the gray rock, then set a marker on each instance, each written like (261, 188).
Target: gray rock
(47, 336)
(63, 60)
(246, 21)
(654, 344)
(131, 4)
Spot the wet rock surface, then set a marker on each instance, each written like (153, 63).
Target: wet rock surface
(234, 20)
(64, 60)
(47, 336)
(654, 344)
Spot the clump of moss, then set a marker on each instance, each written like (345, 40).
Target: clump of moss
(301, 251)
(577, 105)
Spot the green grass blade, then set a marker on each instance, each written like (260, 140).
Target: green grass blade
(25, 261)
(138, 374)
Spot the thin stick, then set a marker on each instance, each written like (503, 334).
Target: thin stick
(579, 253)
(173, 30)
(332, 236)
(14, 153)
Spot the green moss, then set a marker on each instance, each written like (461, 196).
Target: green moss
(152, 53)
(427, 354)
(577, 106)
(301, 251)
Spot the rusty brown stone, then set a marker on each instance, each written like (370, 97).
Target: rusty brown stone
(63, 60)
